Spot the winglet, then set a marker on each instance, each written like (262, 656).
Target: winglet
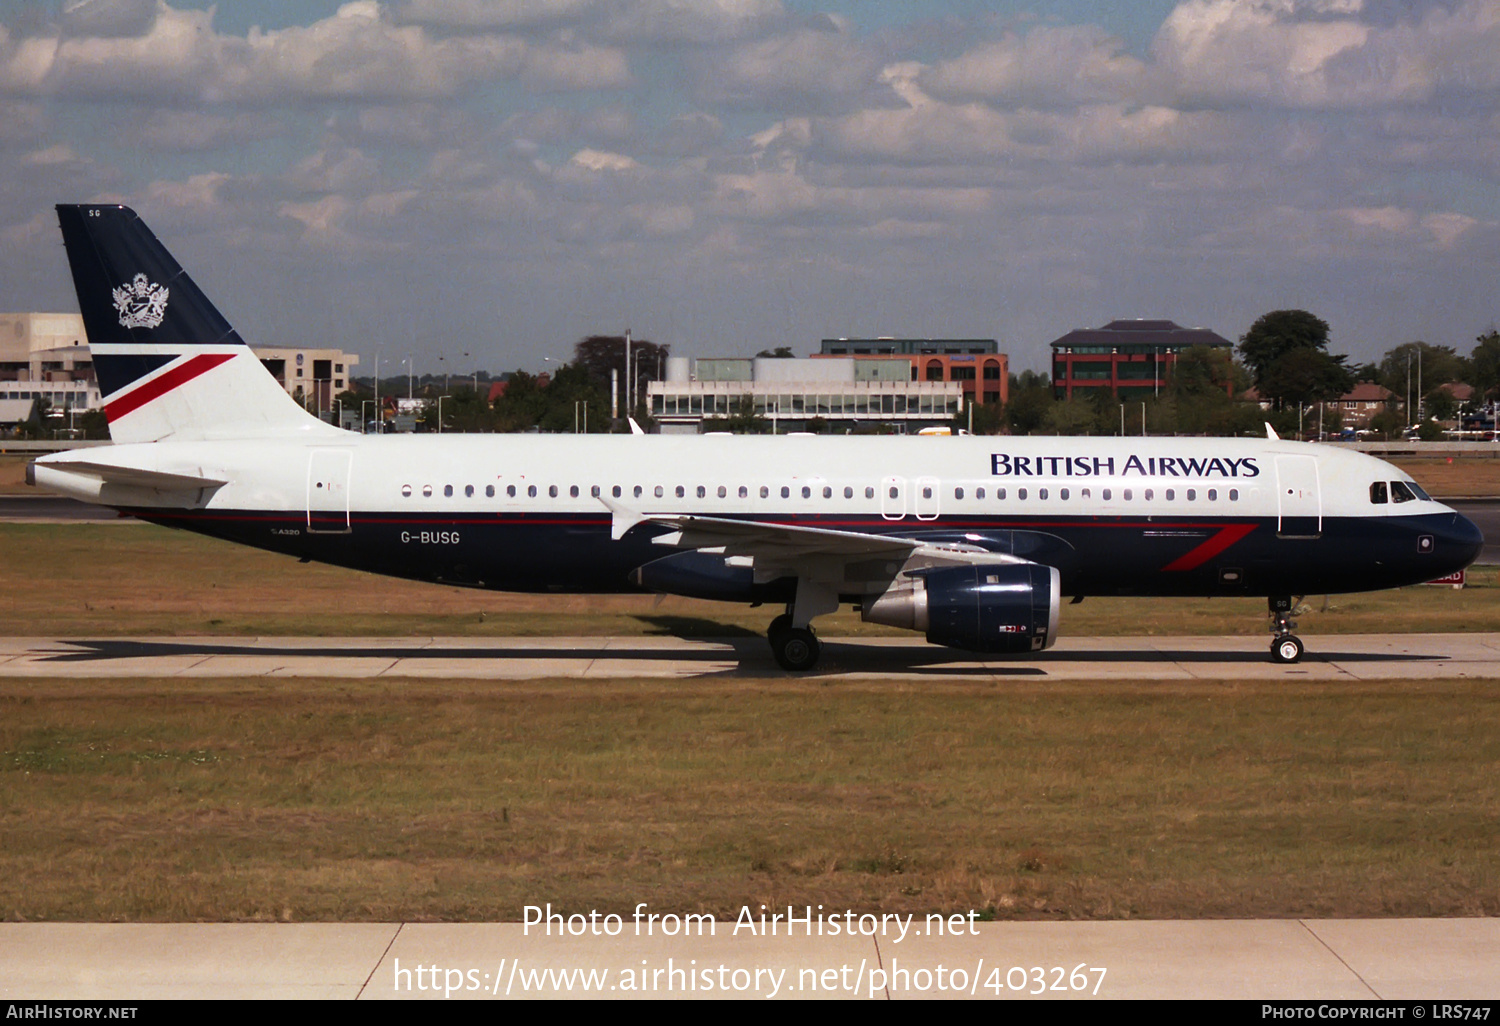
(623, 519)
(635, 429)
(1271, 433)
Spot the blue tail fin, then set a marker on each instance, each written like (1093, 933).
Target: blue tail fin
(169, 364)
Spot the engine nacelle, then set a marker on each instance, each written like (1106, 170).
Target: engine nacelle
(1007, 608)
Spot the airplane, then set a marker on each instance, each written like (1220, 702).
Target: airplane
(972, 541)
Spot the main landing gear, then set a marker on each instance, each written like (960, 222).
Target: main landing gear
(1286, 647)
(796, 648)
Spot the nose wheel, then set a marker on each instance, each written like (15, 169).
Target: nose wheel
(1286, 647)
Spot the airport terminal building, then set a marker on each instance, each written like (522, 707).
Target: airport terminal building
(842, 394)
(46, 356)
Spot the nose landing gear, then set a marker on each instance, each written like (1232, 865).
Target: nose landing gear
(1286, 647)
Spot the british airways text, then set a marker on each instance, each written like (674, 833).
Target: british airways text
(1006, 465)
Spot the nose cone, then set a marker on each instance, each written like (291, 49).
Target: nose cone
(1460, 543)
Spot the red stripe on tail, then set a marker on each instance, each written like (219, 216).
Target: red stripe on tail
(160, 386)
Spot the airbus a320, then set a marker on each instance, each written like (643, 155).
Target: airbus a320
(972, 541)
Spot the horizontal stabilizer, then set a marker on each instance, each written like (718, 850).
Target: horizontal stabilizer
(136, 477)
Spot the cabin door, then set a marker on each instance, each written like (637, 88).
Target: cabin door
(328, 491)
(1299, 503)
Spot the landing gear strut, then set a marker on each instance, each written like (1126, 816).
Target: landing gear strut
(1286, 647)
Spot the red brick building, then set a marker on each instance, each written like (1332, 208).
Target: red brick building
(1132, 359)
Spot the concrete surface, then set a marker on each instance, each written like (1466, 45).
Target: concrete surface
(1394, 960)
(1328, 657)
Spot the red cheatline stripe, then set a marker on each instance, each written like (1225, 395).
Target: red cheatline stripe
(157, 387)
(1196, 557)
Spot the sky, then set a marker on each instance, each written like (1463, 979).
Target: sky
(477, 184)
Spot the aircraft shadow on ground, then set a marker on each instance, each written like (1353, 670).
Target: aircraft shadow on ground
(749, 651)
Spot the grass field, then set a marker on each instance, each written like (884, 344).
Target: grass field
(235, 800)
(68, 580)
(463, 801)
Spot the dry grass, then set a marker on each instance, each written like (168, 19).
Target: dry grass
(324, 800)
(129, 579)
(1454, 477)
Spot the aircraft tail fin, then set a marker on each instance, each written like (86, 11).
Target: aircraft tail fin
(169, 364)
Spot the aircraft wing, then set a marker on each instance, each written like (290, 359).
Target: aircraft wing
(779, 550)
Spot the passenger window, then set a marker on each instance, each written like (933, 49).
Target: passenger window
(1234, 495)
(764, 491)
(531, 491)
(468, 491)
(427, 491)
(1106, 494)
(406, 491)
(1213, 495)
(1062, 493)
(744, 492)
(1150, 494)
(510, 491)
(1192, 494)
(958, 493)
(723, 491)
(806, 492)
(1000, 494)
(1128, 495)
(1171, 494)
(659, 491)
(594, 491)
(1086, 493)
(869, 493)
(615, 491)
(1401, 493)
(489, 491)
(681, 492)
(702, 492)
(1041, 493)
(1020, 493)
(926, 493)
(573, 492)
(637, 491)
(848, 493)
(979, 493)
(786, 493)
(552, 491)
(895, 493)
(447, 491)
(827, 492)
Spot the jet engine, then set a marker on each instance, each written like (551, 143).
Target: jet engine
(1008, 608)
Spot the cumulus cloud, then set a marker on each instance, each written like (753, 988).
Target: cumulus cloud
(1326, 53)
(357, 54)
(1048, 66)
(803, 70)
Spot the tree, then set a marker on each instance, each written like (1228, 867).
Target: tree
(1304, 376)
(1484, 364)
(779, 353)
(1420, 364)
(1275, 334)
(600, 354)
(1030, 399)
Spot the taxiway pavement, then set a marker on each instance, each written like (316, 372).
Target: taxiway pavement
(1444, 960)
(1328, 657)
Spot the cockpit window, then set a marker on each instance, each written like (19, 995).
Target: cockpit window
(1401, 492)
(1418, 489)
(1378, 493)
